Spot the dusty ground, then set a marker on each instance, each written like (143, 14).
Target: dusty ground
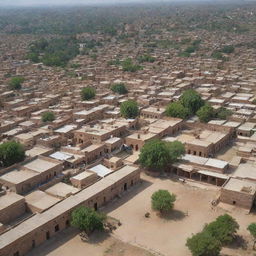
(68, 243)
(157, 236)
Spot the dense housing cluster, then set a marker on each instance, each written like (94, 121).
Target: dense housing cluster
(82, 150)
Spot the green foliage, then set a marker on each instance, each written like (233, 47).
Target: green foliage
(11, 152)
(128, 66)
(190, 49)
(55, 52)
(156, 155)
(146, 58)
(203, 244)
(75, 65)
(119, 88)
(176, 150)
(205, 113)
(87, 219)
(48, 116)
(115, 62)
(184, 54)
(176, 109)
(252, 229)
(223, 113)
(254, 101)
(162, 200)
(228, 49)
(217, 55)
(191, 100)
(16, 82)
(223, 229)
(88, 93)
(129, 109)
(33, 56)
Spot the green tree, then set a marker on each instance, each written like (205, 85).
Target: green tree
(48, 116)
(191, 100)
(223, 229)
(228, 49)
(154, 155)
(129, 109)
(254, 101)
(176, 150)
(162, 201)
(223, 113)
(88, 93)
(87, 219)
(128, 66)
(203, 244)
(146, 58)
(11, 152)
(176, 109)
(33, 56)
(252, 229)
(119, 88)
(205, 113)
(16, 82)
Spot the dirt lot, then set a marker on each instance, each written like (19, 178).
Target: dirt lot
(154, 235)
(68, 243)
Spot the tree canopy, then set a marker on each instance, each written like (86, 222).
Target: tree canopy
(11, 152)
(119, 88)
(176, 150)
(191, 100)
(16, 82)
(203, 244)
(88, 93)
(205, 113)
(129, 66)
(223, 228)
(162, 200)
(223, 113)
(146, 58)
(48, 116)
(54, 52)
(176, 109)
(87, 219)
(252, 229)
(129, 109)
(156, 155)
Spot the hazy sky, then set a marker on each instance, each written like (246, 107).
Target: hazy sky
(90, 2)
(64, 2)
(75, 2)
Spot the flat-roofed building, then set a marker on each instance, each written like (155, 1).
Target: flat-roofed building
(20, 181)
(238, 192)
(84, 179)
(42, 226)
(137, 140)
(61, 190)
(39, 201)
(12, 206)
(152, 112)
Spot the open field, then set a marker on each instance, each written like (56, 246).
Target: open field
(154, 235)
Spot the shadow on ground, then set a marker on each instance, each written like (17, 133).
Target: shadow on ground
(111, 206)
(238, 243)
(56, 241)
(173, 215)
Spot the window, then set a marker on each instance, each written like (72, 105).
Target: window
(33, 243)
(57, 228)
(47, 235)
(16, 253)
(67, 223)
